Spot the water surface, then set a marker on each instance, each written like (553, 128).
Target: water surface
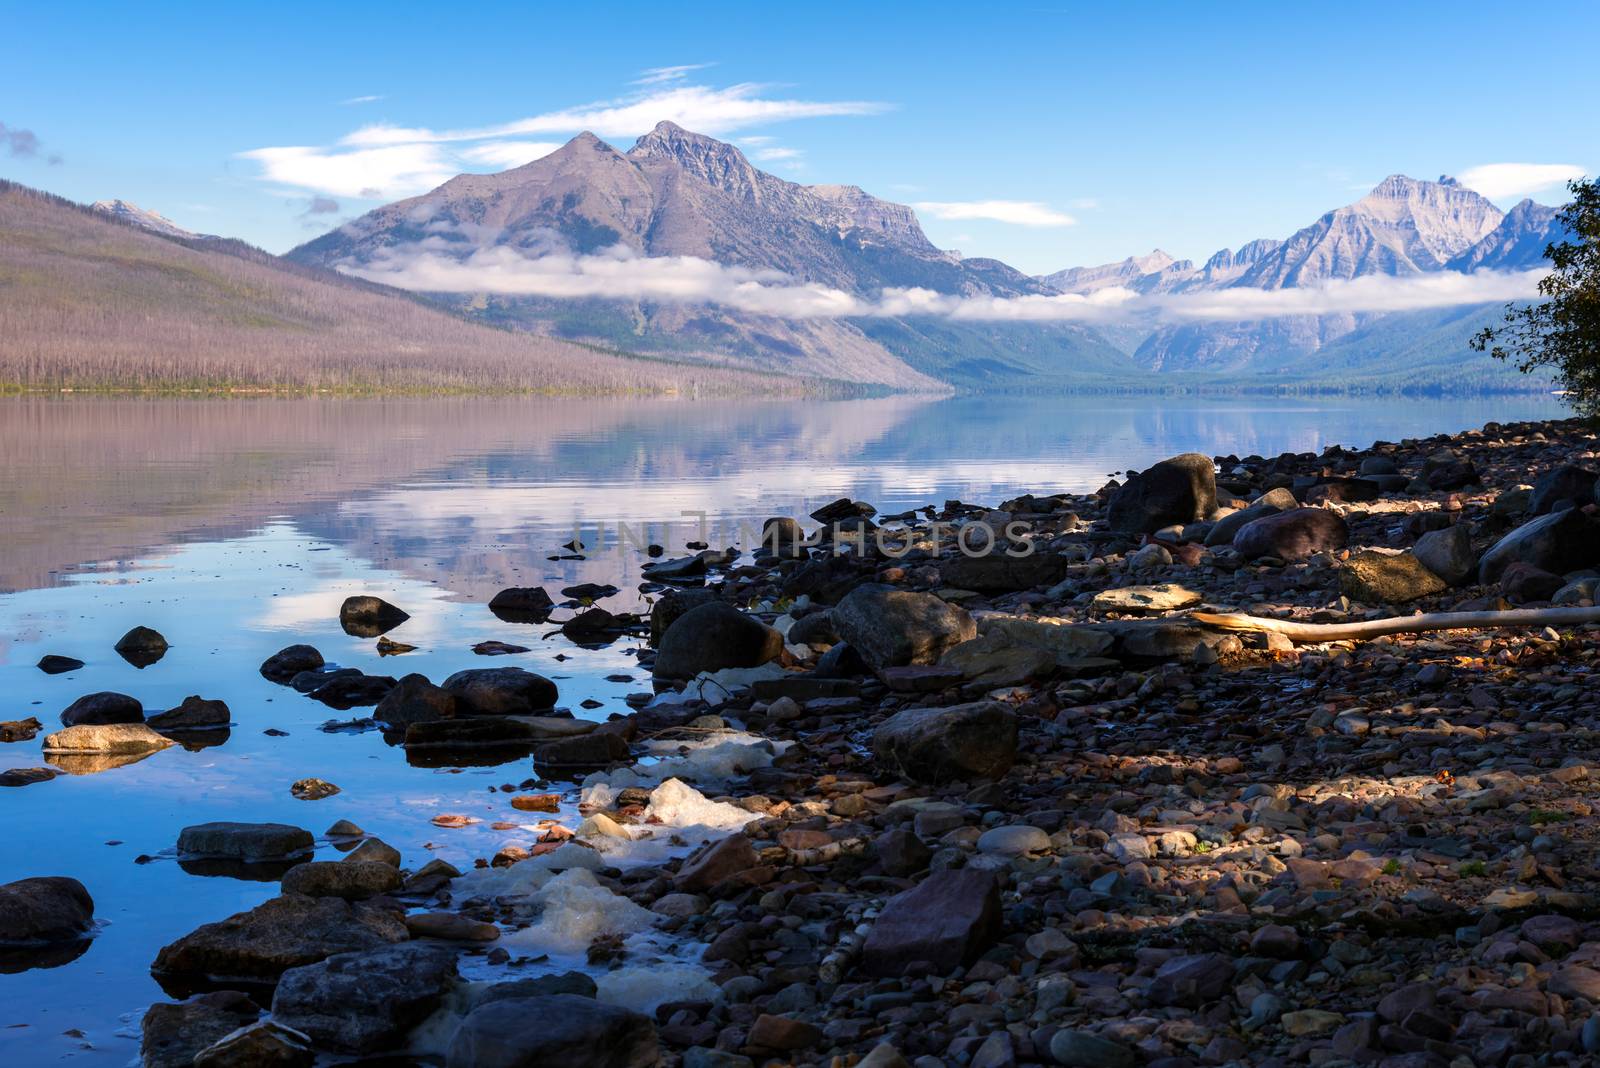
(236, 527)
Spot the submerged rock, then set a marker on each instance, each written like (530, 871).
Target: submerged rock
(26, 776)
(932, 745)
(560, 1029)
(714, 636)
(260, 944)
(890, 627)
(101, 708)
(364, 1002)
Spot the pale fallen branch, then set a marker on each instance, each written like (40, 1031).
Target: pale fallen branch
(1374, 628)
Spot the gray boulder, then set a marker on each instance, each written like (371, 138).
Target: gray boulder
(285, 664)
(1448, 553)
(1180, 490)
(172, 1033)
(1293, 535)
(284, 932)
(194, 714)
(933, 745)
(352, 880)
(1562, 541)
(561, 1029)
(891, 627)
(364, 1002)
(1567, 486)
(714, 636)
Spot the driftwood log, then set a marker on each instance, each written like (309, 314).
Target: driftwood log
(1374, 628)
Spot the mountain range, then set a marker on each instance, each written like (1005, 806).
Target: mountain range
(682, 194)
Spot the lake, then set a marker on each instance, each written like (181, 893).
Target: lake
(236, 527)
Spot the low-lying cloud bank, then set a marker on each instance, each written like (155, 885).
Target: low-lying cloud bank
(621, 274)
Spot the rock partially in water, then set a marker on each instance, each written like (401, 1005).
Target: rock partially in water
(889, 627)
(450, 926)
(375, 850)
(671, 605)
(498, 648)
(174, 1032)
(364, 1002)
(714, 636)
(100, 708)
(415, 700)
(115, 739)
(19, 730)
(141, 647)
(343, 692)
(522, 604)
(353, 880)
(595, 749)
(245, 841)
(281, 667)
(52, 664)
(44, 909)
(368, 617)
(933, 745)
(26, 776)
(312, 789)
(507, 691)
(285, 932)
(267, 1044)
(194, 714)
(561, 1029)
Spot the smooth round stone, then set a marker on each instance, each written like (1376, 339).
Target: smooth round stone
(1013, 840)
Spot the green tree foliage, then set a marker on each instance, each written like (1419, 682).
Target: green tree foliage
(1562, 332)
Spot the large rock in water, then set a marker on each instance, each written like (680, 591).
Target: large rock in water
(714, 636)
(1560, 542)
(368, 617)
(281, 933)
(194, 714)
(1293, 535)
(264, 1044)
(364, 1002)
(416, 700)
(671, 605)
(890, 627)
(141, 647)
(38, 911)
(285, 664)
(1448, 553)
(353, 880)
(101, 708)
(174, 1032)
(932, 745)
(947, 920)
(108, 738)
(507, 691)
(1000, 573)
(560, 1029)
(1180, 490)
(1387, 578)
(251, 842)
(1567, 486)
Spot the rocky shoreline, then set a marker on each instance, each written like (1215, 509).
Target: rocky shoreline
(982, 795)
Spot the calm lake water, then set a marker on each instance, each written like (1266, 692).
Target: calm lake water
(236, 527)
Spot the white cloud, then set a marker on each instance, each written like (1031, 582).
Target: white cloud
(696, 107)
(1016, 212)
(621, 274)
(387, 161)
(368, 173)
(361, 100)
(660, 75)
(1496, 180)
(508, 153)
(773, 155)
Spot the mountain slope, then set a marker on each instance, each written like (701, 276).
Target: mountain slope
(677, 193)
(127, 212)
(1517, 244)
(87, 300)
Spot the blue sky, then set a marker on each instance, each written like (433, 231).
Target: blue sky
(1045, 135)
